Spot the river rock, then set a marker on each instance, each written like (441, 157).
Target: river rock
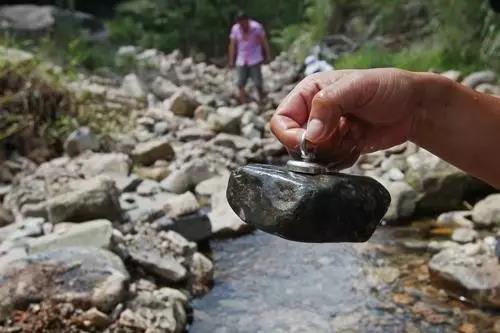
(109, 164)
(147, 153)
(226, 120)
(194, 227)
(475, 79)
(92, 199)
(181, 205)
(89, 234)
(183, 103)
(464, 235)
(6, 217)
(475, 272)
(163, 88)
(225, 223)
(487, 88)
(79, 141)
(201, 274)
(321, 208)
(161, 310)
(441, 187)
(195, 133)
(486, 212)
(134, 87)
(78, 275)
(403, 200)
(456, 219)
(188, 176)
(452, 75)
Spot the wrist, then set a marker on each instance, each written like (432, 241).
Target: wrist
(432, 93)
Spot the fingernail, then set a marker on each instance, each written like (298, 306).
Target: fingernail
(314, 130)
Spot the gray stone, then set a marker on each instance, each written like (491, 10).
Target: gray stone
(155, 260)
(403, 200)
(148, 187)
(92, 199)
(321, 208)
(452, 75)
(475, 79)
(231, 141)
(89, 234)
(133, 86)
(127, 184)
(183, 103)
(109, 164)
(188, 176)
(225, 223)
(201, 271)
(181, 205)
(456, 219)
(78, 275)
(147, 153)
(217, 184)
(464, 235)
(487, 88)
(194, 227)
(486, 212)
(163, 88)
(6, 217)
(14, 56)
(79, 141)
(195, 133)
(160, 128)
(226, 120)
(466, 267)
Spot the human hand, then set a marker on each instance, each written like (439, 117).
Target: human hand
(349, 112)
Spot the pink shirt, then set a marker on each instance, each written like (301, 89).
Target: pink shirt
(248, 47)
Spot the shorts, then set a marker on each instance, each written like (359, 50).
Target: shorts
(254, 72)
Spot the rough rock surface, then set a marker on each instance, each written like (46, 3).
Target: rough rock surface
(322, 208)
(149, 152)
(487, 211)
(88, 276)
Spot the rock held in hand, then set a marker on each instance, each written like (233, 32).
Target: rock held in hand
(307, 208)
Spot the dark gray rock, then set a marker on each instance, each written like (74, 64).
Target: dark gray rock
(305, 208)
(194, 227)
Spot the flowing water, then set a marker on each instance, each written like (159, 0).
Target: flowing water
(267, 284)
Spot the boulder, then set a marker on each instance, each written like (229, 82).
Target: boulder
(475, 79)
(403, 200)
(89, 234)
(80, 275)
(163, 88)
(109, 164)
(153, 258)
(188, 176)
(133, 86)
(464, 235)
(440, 186)
(469, 270)
(79, 141)
(146, 153)
(307, 208)
(182, 103)
(6, 217)
(181, 205)
(486, 213)
(91, 199)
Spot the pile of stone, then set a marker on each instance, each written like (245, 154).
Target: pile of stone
(115, 232)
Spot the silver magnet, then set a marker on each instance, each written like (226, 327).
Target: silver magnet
(307, 165)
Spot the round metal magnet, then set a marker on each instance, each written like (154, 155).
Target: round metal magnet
(307, 165)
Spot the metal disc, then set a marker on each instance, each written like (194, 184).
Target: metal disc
(306, 167)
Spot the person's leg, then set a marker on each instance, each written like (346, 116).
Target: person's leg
(256, 74)
(243, 74)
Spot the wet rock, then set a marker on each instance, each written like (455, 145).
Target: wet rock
(89, 234)
(403, 200)
(194, 227)
(92, 199)
(182, 103)
(146, 153)
(475, 273)
(486, 212)
(163, 88)
(464, 235)
(6, 217)
(133, 86)
(181, 205)
(79, 141)
(322, 208)
(82, 276)
(477, 78)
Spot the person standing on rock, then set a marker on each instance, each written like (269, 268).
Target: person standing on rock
(248, 49)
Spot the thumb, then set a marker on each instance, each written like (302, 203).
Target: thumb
(330, 104)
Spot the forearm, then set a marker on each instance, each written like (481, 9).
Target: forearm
(459, 125)
(232, 52)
